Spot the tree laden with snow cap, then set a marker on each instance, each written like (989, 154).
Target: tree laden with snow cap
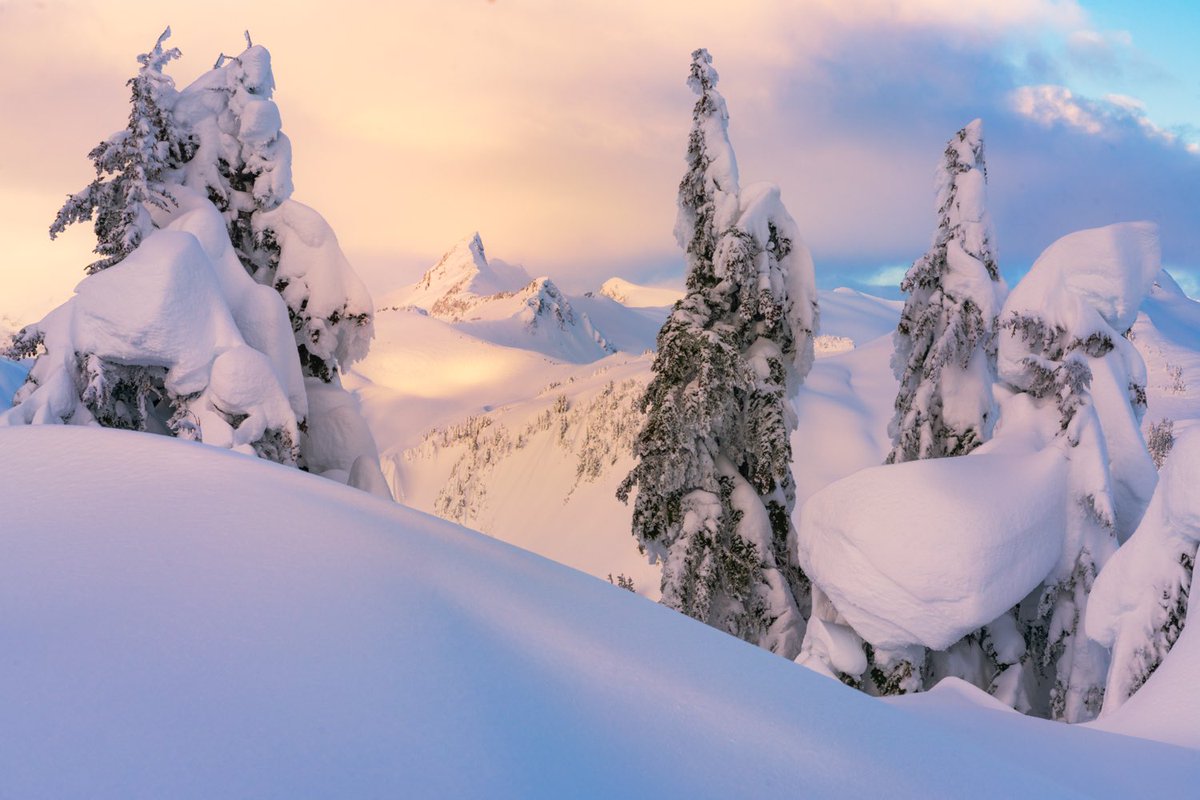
(244, 164)
(945, 356)
(714, 486)
(131, 165)
(1062, 347)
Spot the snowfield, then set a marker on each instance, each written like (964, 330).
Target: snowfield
(235, 628)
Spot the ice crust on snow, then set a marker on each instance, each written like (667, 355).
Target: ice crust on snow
(915, 553)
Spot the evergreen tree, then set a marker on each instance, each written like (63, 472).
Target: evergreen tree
(945, 356)
(713, 479)
(131, 165)
(243, 163)
(1063, 355)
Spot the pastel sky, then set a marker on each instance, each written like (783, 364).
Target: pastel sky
(557, 129)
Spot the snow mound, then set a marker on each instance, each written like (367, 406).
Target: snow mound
(226, 627)
(1167, 707)
(912, 554)
(1111, 269)
(636, 296)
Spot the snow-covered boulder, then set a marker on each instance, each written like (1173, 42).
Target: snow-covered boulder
(926, 552)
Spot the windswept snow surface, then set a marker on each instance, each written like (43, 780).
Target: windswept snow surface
(221, 627)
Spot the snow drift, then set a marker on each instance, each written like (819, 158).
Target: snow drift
(298, 638)
(916, 553)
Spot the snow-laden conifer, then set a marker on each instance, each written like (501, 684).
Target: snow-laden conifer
(1063, 353)
(945, 357)
(132, 165)
(714, 491)
(243, 162)
(1139, 603)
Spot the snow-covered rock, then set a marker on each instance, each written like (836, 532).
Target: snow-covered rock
(926, 552)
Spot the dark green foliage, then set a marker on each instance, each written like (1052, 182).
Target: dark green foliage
(131, 166)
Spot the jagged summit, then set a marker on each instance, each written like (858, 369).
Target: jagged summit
(461, 279)
(501, 303)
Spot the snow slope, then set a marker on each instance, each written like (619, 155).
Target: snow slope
(424, 380)
(634, 295)
(302, 639)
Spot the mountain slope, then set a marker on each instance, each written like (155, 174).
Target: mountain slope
(297, 638)
(501, 304)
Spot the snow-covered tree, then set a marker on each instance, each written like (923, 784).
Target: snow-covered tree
(714, 491)
(131, 166)
(945, 357)
(218, 293)
(243, 162)
(1139, 603)
(1062, 352)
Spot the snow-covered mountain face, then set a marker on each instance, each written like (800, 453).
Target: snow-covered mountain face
(530, 449)
(502, 304)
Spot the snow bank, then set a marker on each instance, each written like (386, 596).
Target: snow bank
(914, 553)
(289, 637)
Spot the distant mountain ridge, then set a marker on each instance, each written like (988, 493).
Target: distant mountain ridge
(501, 303)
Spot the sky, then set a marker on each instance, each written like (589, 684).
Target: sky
(557, 129)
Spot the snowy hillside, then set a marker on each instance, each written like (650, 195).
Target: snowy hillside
(501, 304)
(464, 433)
(288, 636)
(636, 296)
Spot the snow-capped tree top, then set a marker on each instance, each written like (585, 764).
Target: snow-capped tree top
(230, 112)
(708, 202)
(702, 76)
(254, 73)
(964, 230)
(157, 59)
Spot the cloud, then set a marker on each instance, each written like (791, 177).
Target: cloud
(558, 129)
